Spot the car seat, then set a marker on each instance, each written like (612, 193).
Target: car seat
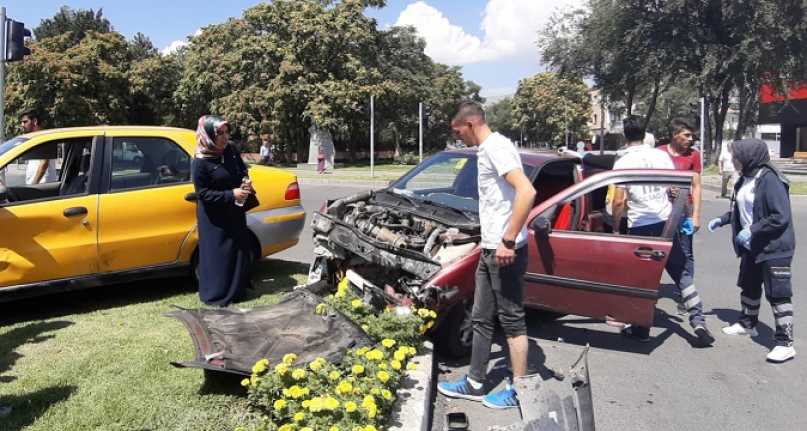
(78, 183)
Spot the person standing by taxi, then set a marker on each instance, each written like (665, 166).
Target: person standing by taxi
(40, 170)
(505, 199)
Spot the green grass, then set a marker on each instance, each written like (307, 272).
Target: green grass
(798, 188)
(99, 358)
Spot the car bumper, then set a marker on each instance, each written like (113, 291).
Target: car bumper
(277, 229)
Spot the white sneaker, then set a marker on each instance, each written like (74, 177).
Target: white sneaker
(781, 354)
(738, 329)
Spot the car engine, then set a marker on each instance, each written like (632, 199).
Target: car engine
(393, 245)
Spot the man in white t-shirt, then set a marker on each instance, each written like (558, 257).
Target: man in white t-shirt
(37, 171)
(505, 199)
(648, 209)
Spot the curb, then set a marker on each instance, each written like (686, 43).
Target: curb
(369, 183)
(413, 409)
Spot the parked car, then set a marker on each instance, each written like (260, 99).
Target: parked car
(416, 242)
(113, 217)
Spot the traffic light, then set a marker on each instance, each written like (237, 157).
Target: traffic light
(427, 112)
(15, 40)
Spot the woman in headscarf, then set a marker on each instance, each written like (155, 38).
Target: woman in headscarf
(762, 228)
(224, 241)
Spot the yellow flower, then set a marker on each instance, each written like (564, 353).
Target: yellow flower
(295, 392)
(299, 417)
(289, 358)
(411, 351)
(333, 428)
(362, 351)
(321, 309)
(372, 410)
(368, 401)
(279, 404)
(350, 407)
(423, 313)
(306, 403)
(396, 365)
(399, 355)
(344, 387)
(357, 303)
(375, 391)
(370, 428)
(432, 314)
(298, 374)
(382, 366)
(334, 375)
(316, 404)
(357, 369)
(281, 369)
(317, 364)
(383, 376)
(286, 427)
(260, 366)
(386, 394)
(341, 288)
(331, 403)
(245, 382)
(374, 355)
(306, 429)
(388, 342)
(411, 366)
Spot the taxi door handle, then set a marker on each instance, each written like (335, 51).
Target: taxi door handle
(191, 197)
(75, 211)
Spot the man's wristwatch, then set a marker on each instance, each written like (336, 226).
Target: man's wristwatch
(509, 243)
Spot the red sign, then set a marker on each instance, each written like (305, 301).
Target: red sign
(767, 94)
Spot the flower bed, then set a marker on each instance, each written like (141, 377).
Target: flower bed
(357, 393)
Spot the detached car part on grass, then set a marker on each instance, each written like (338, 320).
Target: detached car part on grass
(231, 340)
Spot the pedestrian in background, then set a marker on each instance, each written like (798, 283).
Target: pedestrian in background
(320, 159)
(764, 240)
(223, 197)
(505, 198)
(728, 174)
(38, 171)
(266, 153)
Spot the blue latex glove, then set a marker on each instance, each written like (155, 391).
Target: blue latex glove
(744, 238)
(687, 226)
(713, 224)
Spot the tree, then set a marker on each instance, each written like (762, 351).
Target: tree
(73, 25)
(501, 118)
(140, 47)
(549, 106)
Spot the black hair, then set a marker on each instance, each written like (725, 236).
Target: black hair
(468, 109)
(633, 128)
(677, 125)
(32, 115)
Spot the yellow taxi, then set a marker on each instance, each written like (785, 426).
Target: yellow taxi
(94, 205)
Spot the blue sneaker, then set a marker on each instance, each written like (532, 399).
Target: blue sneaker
(504, 399)
(461, 389)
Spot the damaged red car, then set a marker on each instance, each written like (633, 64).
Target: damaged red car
(417, 241)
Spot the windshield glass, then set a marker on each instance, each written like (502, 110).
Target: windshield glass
(447, 179)
(11, 143)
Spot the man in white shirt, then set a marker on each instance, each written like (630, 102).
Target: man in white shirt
(727, 172)
(37, 171)
(505, 199)
(648, 209)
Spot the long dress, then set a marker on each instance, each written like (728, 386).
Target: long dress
(224, 239)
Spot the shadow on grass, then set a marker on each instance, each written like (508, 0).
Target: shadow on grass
(93, 299)
(28, 334)
(218, 383)
(273, 276)
(26, 409)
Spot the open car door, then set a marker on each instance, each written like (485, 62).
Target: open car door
(584, 268)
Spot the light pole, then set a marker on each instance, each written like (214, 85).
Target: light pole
(372, 137)
(420, 132)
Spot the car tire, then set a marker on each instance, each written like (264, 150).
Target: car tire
(455, 336)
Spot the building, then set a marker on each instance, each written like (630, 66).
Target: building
(790, 114)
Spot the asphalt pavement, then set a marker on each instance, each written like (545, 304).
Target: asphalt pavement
(666, 384)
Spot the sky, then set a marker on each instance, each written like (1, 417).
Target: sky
(492, 40)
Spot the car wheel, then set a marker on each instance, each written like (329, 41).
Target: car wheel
(456, 333)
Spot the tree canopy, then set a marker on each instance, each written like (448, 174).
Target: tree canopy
(275, 70)
(549, 106)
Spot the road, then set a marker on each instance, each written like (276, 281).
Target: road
(667, 384)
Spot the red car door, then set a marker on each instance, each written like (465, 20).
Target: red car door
(584, 270)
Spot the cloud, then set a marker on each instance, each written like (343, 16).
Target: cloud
(177, 44)
(509, 27)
